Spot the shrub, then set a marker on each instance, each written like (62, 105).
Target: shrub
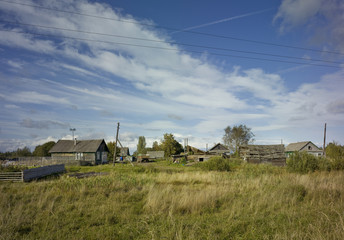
(216, 163)
(303, 162)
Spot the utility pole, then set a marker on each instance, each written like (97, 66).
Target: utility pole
(72, 130)
(115, 150)
(324, 152)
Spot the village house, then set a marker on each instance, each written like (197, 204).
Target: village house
(219, 149)
(85, 151)
(308, 147)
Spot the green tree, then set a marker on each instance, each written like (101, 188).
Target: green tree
(111, 147)
(23, 152)
(155, 146)
(43, 150)
(334, 151)
(141, 146)
(170, 146)
(237, 136)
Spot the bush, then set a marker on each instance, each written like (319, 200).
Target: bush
(303, 162)
(216, 163)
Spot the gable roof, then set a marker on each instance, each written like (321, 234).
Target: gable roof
(67, 146)
(194, 150)
(218, 146)
(292, 147)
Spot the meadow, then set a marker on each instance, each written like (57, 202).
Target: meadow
(172, 201)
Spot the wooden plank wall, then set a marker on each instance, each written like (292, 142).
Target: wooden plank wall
(273, 154)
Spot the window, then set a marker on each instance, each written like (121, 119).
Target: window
(79, 156)
(98, 155)
(309, 147)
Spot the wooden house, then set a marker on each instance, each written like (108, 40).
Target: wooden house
(124, 152)
(85, 151)
(219, 149)
(308, 147)
(273, 154)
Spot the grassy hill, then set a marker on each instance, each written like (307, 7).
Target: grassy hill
(167, 201)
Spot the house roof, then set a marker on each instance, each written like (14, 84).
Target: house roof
(194, 150)
(292, 147)
(67, 146)
(218, 146)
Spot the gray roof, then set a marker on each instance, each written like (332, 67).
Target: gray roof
(218, 146)
(292, 147)
(67, 146)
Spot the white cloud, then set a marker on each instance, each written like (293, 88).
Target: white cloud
(14, 64)
(33, 97)
(323, 19)
(152, 91)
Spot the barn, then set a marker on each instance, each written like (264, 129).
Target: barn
(273, 154)
(85, 151)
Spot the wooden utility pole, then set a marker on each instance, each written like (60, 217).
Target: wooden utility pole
(324, 152)
(115, 150)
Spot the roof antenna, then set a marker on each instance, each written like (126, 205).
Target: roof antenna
(72, 130)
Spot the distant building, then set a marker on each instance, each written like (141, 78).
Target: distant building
(124, 152)
(155, 154)
(85, 151)
(219, 149)
(193, 150)
(308, 147)
(273, 154)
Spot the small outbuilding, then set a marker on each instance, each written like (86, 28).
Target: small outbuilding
(156, 154)
(273, 154)
(307, 146)
(85, 151)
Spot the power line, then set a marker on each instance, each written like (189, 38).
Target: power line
(174, 29)
(169, 42)
(170, 49)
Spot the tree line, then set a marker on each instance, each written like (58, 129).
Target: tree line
(40, 151)
(233, 138)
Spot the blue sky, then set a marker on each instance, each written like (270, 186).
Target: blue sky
(181, 67)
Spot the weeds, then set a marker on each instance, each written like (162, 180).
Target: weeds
(166, 201)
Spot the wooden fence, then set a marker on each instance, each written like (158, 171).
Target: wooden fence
(11, 176)
(46, 161)
(33, 173)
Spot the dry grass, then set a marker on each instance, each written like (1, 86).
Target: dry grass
(167, 202)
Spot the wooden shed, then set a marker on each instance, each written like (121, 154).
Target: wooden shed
(156, 154)
(273, 154)
(85, 151)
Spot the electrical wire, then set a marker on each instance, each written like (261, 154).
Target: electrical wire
(170, 49)
(175, 29)
(169, 42)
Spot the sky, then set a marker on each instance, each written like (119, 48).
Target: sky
(190, 68)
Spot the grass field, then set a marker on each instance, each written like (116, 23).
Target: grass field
(166, 201)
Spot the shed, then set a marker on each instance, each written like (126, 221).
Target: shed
(273, 154)
(86, 151)
(307, 146)
(156, 154)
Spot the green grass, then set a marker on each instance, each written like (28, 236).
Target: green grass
(171, 201)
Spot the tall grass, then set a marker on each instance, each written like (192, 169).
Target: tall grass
(176, 202)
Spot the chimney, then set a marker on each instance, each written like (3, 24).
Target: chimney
(74, 141)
